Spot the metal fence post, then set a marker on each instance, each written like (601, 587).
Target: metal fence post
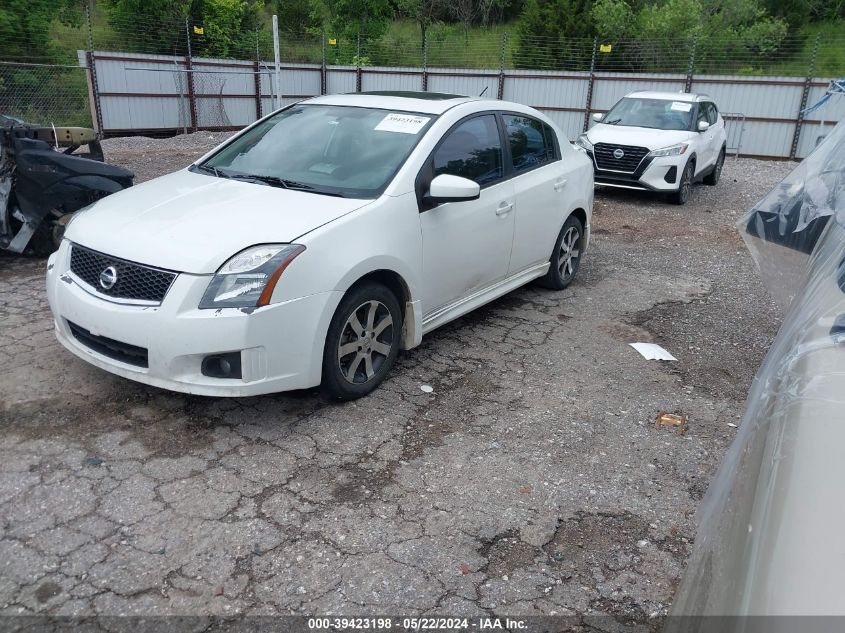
(192, 99)
(257, 70)
(277, 76)
(501, 90)
(589, 105)
(805, 94)
(323, 78)
(425, 63)
(690, 66)
(358, 65)
(93, 88)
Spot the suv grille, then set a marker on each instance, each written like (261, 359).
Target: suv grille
(133, 281)
(629, 161)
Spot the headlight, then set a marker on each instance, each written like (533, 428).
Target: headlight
(674, 150)
(247, 280)
(584, 143)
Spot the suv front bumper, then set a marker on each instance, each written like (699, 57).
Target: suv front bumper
(652, 174)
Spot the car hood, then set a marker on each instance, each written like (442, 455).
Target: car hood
(638, 136)
(193, 223)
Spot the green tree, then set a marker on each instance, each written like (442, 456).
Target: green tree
(423, 12)
(148, 26)
(25, 27)
(295, 16)
(348, 18)
(550, 34)
(229, 27)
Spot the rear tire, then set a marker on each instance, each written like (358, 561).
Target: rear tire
(713, 177)
(566, 257)
(362, 342)
(685, 186)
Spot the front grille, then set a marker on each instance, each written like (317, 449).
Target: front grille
(123, 352)
(133, 281)
(629, 161)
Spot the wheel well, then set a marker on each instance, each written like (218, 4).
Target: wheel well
(392, 281)
(581, 215)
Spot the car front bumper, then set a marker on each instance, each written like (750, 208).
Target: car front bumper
(653, 174)
(280, 345)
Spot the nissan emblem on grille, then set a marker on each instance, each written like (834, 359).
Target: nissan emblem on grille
(120, 278)
(618, 154)
(108, 278)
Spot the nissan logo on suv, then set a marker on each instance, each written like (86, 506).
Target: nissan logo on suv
(618, 154)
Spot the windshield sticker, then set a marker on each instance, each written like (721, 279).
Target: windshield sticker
(680, 106)
(404, 123)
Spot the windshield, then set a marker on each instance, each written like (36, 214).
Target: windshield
(333, 150)
(659, 114)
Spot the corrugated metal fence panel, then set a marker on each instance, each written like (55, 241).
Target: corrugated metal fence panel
(339, 79)
(609, 88)
(769, 97)
(300, 80)
(464, 81)
(399, 78)
(146, 92)
(763, 138)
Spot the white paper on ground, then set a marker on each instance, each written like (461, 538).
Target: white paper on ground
(652, 351)
(404, 123)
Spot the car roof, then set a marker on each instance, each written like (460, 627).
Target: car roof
(669, 96)
(425, 102)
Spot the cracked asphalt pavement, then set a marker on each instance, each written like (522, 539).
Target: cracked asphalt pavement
(530, 480)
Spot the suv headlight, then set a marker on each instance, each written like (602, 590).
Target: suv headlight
(584, 143)
(674, 150)
(247, 280)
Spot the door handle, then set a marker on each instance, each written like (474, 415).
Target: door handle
(504, 208)
(560, 184)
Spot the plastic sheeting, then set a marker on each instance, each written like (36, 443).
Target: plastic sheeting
(771, 529)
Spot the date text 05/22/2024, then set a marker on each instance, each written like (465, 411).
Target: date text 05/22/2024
(415, 624)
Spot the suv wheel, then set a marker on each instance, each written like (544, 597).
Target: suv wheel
(685, 187)
(566, 257)
(713, 177)
(362, 342)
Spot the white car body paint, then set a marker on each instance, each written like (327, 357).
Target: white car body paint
(451, 259)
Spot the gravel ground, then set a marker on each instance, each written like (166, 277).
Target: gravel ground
(531, 481)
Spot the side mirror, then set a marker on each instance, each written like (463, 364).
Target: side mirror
(703, 126)
(448, 188)
(598, 116)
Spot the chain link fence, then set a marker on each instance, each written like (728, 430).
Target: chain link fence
(167, 75)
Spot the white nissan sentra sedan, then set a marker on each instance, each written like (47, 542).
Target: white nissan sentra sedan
(312, 246)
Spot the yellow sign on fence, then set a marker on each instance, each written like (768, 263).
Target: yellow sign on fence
(198, 30)
(605, 48)
(332, 41)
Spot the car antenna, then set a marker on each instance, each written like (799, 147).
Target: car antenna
(483, 91)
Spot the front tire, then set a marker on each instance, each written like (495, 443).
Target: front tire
(566, 257)
(713, 177)
(685, 186)
(362, 342)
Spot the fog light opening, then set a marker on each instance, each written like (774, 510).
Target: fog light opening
(222, 365)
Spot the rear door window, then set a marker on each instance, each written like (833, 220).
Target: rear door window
(531, 142)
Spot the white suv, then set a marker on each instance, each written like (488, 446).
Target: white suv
(658, 141)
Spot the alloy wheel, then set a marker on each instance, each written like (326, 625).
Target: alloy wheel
(569, 252)
(365, 342)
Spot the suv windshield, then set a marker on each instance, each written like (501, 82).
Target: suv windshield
(332, 150)
(660, 114)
